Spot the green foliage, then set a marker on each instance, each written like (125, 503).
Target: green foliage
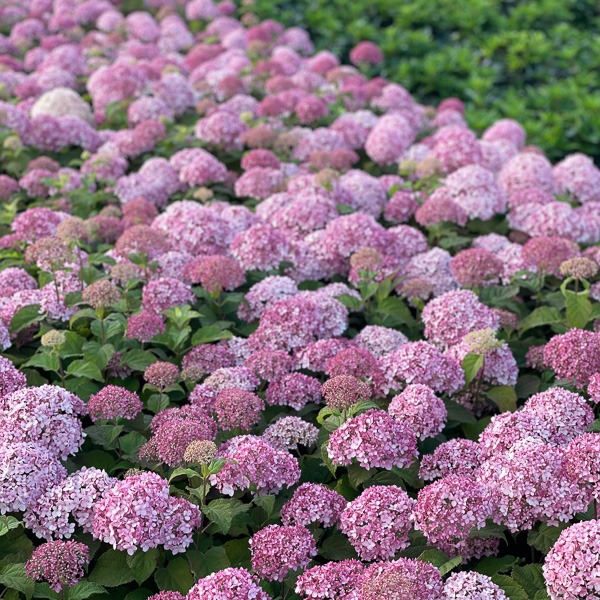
(530, 61)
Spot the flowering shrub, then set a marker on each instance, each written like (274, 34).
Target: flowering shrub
(271, 329)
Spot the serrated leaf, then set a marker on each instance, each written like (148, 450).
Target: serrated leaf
(177, 577)
(138, 360)
(434, 557)
(458, 413)
(350, 301)
(491, 530)
(84, 313)
(511, 588)
(14, 577)
(337, 547)
(327, 461)
(579, 310)
(544, 536)
(7, 523)
(25, 316)
(357, 475)
(85, 589)
(223, 511)
(216, 559)
(183, 471)
(471, 365)
(449, 565)
(493, 564)
(142, 564)
(504, 397)
(543, 315)
(205, 335)
(266, 503)
(85, 368)
(111, 569)
(44, 360)
(530, 578)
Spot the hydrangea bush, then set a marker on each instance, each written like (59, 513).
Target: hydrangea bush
(271, 329)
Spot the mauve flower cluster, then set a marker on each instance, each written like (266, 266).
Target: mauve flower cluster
(233, 175)
(139, 513)
(378, 521)
(59, 563)
(276, 550)
(374, 439)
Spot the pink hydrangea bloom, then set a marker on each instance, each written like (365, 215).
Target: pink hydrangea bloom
(293, 389)
(276, 550)
(374, 439)
(313, 503)
(378, 521)
(139, 513)
(419, 407)
(454, 457)
(256, 464)
(572, 561)
(227, 584)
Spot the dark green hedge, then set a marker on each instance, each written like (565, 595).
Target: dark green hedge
(537, 61)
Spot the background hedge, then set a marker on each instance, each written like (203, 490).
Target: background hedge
(534, 61)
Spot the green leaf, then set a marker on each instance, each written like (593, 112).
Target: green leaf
(530, 578)
(579, 310)
(266, 503)
(138, 360)
(471, 365)
(223, 511)
(527, 385)
(84, 313)
(44, 360)
(13, 576)
(350, 301)
(543, 315)
(493, 295)
(131, 442)
(238, 552)
(85, 368)
(493, 564)
(142, 564)
(395, 307)
(473, 430)
(541, 595)
(434, 557)
(337, 547)
(25, 316)
(42, 590)
(111, 569)
(449, 565)
(73, 345)
(358, 475)
(491, 530)
(205, 335)
(511, 588)
(85, 589)
(504, 397)
(327, 461)
(544, 536)
(458, 413)
(177, 577)
(216, 559)
(183, 471)
(7, 523)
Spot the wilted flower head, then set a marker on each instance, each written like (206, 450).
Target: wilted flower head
(101, 293)
(53, 338)
(579, 268)
(200, 452)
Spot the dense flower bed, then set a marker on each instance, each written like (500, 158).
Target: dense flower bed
(271, 329)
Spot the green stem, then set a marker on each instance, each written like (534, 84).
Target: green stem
(60, 370)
